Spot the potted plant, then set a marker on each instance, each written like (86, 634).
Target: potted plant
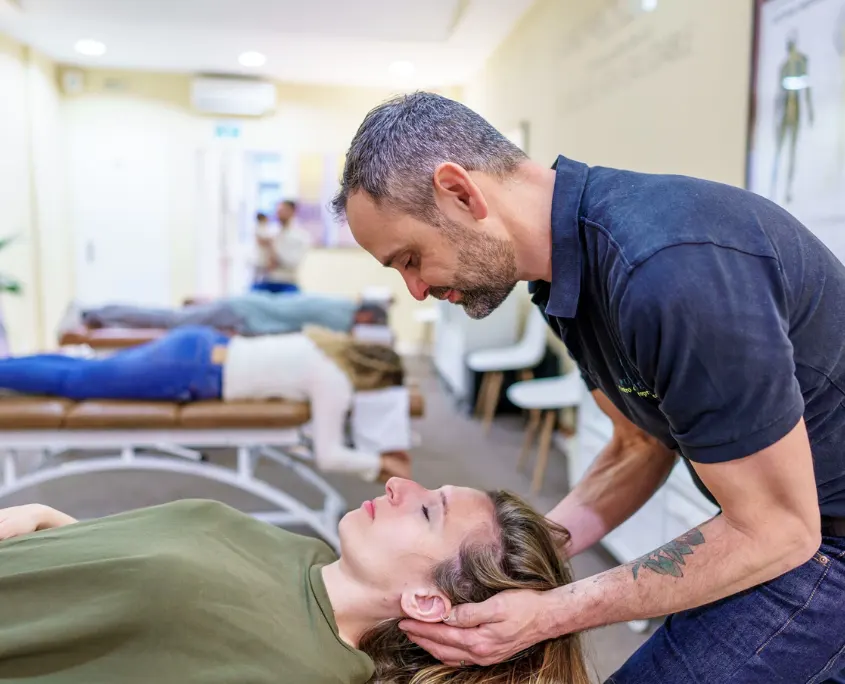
(8, 285)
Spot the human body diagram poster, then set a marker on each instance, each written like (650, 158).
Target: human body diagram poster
(797, 155)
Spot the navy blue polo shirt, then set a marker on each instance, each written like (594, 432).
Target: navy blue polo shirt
(709, 316)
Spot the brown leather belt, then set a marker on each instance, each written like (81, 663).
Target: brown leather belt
(833, 527)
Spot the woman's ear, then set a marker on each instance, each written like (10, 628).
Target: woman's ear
(425, 605)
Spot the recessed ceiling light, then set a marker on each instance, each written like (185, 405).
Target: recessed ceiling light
(91, 48)
(649, 5)
(252, 59)
(402, 69)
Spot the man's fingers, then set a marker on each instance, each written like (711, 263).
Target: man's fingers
(475, 614)
(445, 654)
(439, 633)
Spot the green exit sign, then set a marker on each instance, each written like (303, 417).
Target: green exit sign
(227, 129)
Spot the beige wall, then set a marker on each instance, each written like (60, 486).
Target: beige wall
(660, 92)
(31, 195)
(665, 91)
(308, 119)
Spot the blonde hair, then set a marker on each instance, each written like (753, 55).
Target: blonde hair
(524, 556)
(369, 366)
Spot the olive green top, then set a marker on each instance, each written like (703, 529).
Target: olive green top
(192, 592)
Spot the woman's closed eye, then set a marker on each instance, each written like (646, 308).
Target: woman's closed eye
(425, 512)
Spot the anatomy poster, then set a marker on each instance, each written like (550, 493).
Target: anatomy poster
(797, 155)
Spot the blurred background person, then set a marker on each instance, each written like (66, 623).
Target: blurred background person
(280, 254)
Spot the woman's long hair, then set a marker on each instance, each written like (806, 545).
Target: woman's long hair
(369, 366)
(524, 557)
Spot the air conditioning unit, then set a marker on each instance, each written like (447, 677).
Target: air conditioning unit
(232, 96)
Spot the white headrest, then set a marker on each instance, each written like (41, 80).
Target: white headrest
(377, 294)
(380, 334)
(381, 420)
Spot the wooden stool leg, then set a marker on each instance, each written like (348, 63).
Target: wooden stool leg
(530, 433)
(526, 374)
(543, 450)
(492, 398)
(481, 399)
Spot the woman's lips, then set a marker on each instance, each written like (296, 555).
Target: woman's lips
(370, 507)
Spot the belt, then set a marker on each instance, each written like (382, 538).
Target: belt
(833, 527)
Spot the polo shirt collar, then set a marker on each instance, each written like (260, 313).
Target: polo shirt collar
(565, 287)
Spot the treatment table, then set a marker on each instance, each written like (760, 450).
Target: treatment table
(166, 437)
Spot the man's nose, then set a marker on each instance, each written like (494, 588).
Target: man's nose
(416, 286)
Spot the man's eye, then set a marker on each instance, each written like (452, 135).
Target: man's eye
(425, 512)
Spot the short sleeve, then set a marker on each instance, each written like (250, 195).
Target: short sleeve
(707, 327)
(588, 381)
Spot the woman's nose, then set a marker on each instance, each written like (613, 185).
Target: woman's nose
(396, 489)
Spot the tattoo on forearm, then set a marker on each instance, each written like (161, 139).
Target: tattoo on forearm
(669, 558)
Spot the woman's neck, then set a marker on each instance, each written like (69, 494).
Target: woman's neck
(357, 607)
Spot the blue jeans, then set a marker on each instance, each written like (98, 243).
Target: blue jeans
(787, 631)
(176, 367)
(275, 288)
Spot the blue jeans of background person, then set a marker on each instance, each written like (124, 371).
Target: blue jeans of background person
(787, 631)
(177, 367)
(275, 288)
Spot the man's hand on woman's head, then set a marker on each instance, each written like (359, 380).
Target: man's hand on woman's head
(20, 520)
(487, 633)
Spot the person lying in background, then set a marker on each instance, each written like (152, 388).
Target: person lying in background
(196, 363)
(280, 255)
(195, 592)
(254, 313)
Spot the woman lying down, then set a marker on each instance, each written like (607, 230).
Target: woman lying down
(195, 592)
(195, 363)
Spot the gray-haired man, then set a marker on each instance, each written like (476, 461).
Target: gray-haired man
(707, 321)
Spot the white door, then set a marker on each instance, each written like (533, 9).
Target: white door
(120, 198)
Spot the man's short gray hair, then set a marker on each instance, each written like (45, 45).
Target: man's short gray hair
(401, 142)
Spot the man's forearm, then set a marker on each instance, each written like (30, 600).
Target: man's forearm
(706, 564)
(625, 475)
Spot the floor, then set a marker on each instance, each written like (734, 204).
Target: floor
(453, 450)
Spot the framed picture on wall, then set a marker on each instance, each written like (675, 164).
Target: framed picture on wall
(797, 127)
(318, 181)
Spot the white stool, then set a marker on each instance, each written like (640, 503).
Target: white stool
(549, 395)
(523, 356)
(427, 316)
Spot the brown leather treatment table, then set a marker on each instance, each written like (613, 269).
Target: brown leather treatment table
(109, 339)
(165, 437)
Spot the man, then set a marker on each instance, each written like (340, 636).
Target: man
(280, 255)
(254, 313)
(707, 322)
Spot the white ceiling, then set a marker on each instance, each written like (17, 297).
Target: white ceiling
(349, 42)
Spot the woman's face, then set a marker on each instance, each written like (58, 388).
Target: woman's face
(393, 542)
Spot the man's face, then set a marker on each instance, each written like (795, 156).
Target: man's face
(455, 261)
(284, 212)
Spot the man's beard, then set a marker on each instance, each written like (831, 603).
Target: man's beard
(486, 271)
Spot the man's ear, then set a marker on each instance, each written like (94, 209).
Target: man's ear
(425, 605)
(453, 185)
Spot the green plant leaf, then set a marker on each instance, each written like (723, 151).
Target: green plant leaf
(10, 285)
(6, 241)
